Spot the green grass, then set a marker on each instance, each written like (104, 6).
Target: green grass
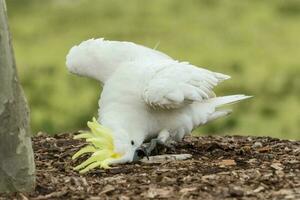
(255, 41)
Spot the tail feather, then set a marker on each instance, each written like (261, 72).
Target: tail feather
(219, 113)
(220, 101)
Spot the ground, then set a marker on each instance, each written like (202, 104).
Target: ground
(221, 167)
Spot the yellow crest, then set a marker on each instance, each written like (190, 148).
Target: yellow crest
(101, 146)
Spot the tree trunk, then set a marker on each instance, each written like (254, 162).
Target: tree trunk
(16, 155)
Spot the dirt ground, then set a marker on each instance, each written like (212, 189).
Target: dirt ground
(221, 167)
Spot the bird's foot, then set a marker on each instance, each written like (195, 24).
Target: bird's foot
(170, 144)
(150, 147)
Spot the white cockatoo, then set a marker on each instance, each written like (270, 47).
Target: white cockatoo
(146, 95)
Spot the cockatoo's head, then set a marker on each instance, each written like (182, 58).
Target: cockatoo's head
(107, 147)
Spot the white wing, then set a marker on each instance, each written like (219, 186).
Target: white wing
(99, 58)
(178, 84)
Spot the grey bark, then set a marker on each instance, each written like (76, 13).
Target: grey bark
(16, 155)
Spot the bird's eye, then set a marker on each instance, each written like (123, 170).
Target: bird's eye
(132, 142)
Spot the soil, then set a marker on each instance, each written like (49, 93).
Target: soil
(221, 167)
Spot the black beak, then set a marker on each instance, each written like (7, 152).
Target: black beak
(140, 153)
(145, 150)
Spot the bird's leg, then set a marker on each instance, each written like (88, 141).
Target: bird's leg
(163, 137)
(179, 135)
(161, 140)
(151, 146)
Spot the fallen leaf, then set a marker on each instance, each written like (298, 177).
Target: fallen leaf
(264, 149)
(259, 189)
(284, 192)
(95, 198)
(23, 197)
(124, 197)
(257, 145)
(236, 191)
(158, 192)
(106, 189)
(227, 162)
(296, 150)
(53, 195)
(277, 166)
(208, 177)
(187, 190)
(293, 161)
(252, 161)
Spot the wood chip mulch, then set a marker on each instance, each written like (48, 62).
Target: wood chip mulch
(221, 167)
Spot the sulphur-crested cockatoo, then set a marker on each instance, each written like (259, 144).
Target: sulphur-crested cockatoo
(146, 95)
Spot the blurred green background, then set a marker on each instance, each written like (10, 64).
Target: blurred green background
(257, 42)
